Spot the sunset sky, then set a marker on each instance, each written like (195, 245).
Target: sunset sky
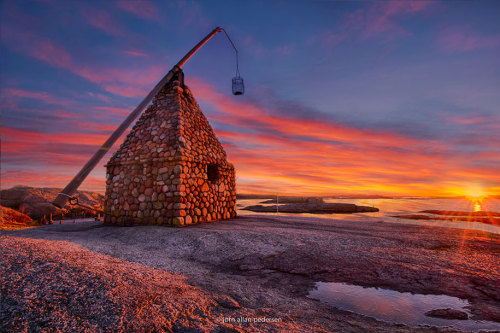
(342, 97)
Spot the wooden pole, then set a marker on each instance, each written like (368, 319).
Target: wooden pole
(277, 204)
(71, 188)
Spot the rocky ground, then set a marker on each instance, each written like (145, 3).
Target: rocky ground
(95, 278)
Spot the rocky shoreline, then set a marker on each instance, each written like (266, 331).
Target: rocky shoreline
(492, 218)
(313, 208)
(253, 266)
(37, 202)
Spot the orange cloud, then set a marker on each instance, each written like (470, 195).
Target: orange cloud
(292, 155)
(49, 179)
(30, 137)
(272, 153)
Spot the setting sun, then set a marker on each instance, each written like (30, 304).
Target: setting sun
(474, 191)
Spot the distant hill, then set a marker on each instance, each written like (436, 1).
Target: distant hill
(36, 202)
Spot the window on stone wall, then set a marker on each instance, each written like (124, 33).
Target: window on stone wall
(213, 172)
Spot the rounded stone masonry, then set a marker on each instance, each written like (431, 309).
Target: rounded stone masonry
(171, 169)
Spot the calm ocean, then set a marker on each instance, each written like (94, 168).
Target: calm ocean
(400, 206)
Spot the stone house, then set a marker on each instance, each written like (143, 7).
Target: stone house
(171, 169)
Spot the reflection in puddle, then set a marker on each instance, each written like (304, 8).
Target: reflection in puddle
(393, 306)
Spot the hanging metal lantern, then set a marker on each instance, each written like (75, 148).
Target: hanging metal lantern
(238, 86)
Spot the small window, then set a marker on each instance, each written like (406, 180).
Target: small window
(213, 172)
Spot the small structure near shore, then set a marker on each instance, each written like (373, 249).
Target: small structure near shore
(171, 169)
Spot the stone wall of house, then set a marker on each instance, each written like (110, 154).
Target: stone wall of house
(171, 169)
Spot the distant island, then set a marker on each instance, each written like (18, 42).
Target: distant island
(313, 207)
(459, 216)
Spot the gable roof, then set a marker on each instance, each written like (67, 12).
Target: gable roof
(173, 128)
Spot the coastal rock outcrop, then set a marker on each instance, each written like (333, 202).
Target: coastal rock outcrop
(458, 216)
(313, 208)
(36, 202)
(12, 219)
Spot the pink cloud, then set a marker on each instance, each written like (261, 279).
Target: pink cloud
(65, 114)
(41, 95)
(11, 9)
(125, 90)
(140, 8)
(114, 110)
(331, 39)
(40, 48)
(254, 46)
(273, 153)
(191, 14)
(135, 76)
(250, 114)
(52, 159)
(470, 120)
(47, 98)
(124, 82)
(285, 50)
(328, 38)
(376, 19)
(135, 53)
(59, 149)
(27, 138)
(129, 82)
(100, 97)
(382, 17)
(464, 39)
(102, 20)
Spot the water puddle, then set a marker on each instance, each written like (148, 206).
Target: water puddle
(394, 306)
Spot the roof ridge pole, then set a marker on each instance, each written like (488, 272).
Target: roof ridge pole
(70, 189)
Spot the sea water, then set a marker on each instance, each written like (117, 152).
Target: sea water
(401, 206)
(395, 307)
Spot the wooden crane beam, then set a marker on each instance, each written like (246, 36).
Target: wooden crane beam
(71, 188)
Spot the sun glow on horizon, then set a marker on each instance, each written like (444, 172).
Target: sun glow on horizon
(476, 195)
(474, 191)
